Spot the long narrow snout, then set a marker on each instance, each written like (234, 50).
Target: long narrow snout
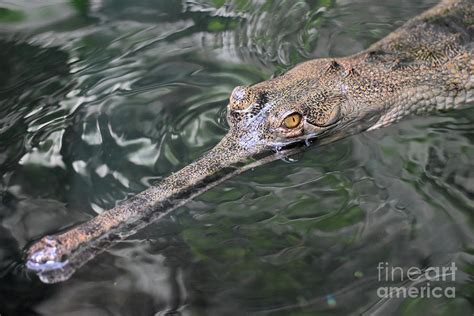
(55, 258)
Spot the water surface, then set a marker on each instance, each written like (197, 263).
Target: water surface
(100, 99)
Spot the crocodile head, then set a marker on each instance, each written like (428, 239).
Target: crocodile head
(310, 103)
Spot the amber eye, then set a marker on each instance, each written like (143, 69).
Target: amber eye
(292, 120)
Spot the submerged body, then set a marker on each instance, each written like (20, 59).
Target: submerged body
(427, 64)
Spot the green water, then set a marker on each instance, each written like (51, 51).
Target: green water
(98, 99)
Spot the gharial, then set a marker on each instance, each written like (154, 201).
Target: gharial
(427, 64)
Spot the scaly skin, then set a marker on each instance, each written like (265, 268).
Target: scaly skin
(425, 65)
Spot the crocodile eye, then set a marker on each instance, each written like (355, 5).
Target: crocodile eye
(292, 120)
(238, 94)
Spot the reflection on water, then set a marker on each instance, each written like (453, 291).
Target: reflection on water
(99, 99)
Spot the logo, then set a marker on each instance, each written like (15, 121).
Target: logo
(429, 282)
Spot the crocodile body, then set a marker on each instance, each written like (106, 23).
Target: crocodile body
(425, 65)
